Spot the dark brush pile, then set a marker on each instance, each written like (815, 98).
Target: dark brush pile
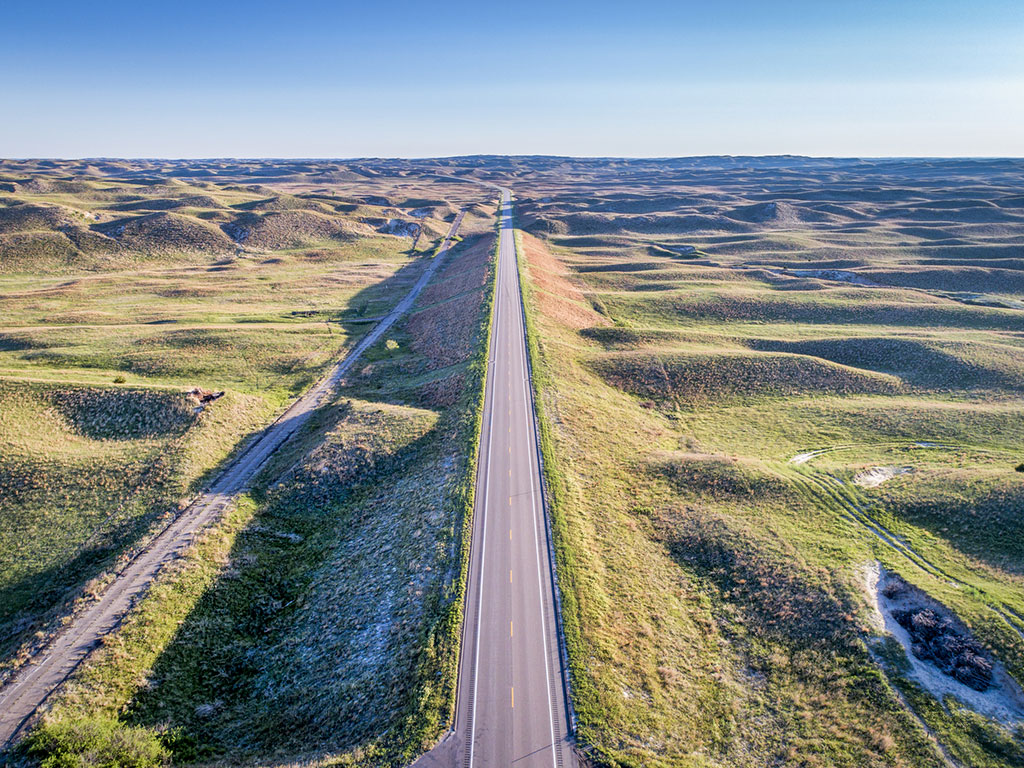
(936, 639)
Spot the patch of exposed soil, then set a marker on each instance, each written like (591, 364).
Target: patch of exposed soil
(803, 458)
(874, 477)
(399, 228)
(944, 657)
(835, 275)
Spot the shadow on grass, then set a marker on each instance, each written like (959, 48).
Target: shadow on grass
(984, 525)
(37, 601)
(27, 604)
(776, 597)
(212, 679)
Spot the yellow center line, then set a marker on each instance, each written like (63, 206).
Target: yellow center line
(510, 632)
(513, 697)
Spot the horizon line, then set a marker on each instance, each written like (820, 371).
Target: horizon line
(355, 158)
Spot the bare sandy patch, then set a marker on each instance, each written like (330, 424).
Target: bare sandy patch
(803, 458)
(875, 476)
(888, 595)
(835, 275)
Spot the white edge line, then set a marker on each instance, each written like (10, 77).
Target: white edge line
(483, 532)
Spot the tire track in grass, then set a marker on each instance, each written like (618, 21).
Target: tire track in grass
(806, 456)
(832, 493)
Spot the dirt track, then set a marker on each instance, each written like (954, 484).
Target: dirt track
(36, 681)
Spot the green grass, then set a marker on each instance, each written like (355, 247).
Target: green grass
(713, 595)
(85, 475)
(101, 337)
(89, 467)
(96, 741)
(268, 328)
(837, 306)
(59, 226)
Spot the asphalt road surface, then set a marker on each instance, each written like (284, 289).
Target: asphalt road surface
(34, 682)
(511, 708)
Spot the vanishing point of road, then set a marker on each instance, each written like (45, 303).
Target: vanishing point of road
(511, 708)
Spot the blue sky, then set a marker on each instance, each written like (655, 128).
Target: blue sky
(339, 79)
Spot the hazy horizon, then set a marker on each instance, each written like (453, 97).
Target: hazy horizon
(652, 79)
(414, 158)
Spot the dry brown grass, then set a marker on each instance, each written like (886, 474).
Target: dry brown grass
(443, 332)
(467, 274)
(444, 329)
(442, 393)
(556, 296)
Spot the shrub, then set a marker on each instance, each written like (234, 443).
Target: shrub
(122, 414)
(101, 742)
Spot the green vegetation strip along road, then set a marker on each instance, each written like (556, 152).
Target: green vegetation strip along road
(35, 682)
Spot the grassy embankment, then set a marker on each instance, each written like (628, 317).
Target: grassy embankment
(714, 600)
(320, 620)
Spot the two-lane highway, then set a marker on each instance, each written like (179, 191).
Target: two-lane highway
(511, 703)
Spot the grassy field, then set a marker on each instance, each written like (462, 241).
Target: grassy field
(160, 285)
(319, 621)
(86, 473)
(735, 437)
